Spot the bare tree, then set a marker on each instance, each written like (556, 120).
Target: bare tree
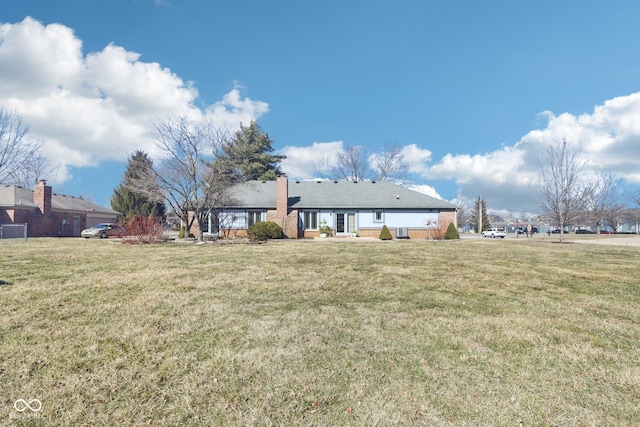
(322, 168)
(602, 201)
(388, 164)
(353, 164)
(35, 169)
(562, 189)
(185, 176)
(463, 216)
(349, 164)
(633, 214)
(18, 154)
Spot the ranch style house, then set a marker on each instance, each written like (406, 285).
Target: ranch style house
(347, 208)
(48, 214)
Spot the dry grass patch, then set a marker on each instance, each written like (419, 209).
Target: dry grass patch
(302, 333)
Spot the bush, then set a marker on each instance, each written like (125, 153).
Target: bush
(451, 233)
(324, 228)
(385, 234)
(141, 229)
(181, 232)
(264, 230)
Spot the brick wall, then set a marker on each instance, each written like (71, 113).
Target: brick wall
(51, 225)
(289, 223)
(283, 216)
(42, 197)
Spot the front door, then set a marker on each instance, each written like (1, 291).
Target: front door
(345, 223)
(76, 225)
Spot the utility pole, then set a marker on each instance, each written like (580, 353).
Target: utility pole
(480, 216)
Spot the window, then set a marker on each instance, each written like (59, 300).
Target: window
(211, 224)
(204, 224)
(378, 216)
(310, 220)
(253, 217)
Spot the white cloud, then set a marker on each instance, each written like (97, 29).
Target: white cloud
(86, 109)
(233, 110)
(504, 166)
(300, 161)
(416, 158)
(610, 141)
(425, 189)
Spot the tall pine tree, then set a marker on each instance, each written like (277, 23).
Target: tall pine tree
(249, 155)
(479, 210)
(129, 203)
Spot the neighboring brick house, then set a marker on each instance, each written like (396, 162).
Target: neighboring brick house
(48, 214)
(300, 207)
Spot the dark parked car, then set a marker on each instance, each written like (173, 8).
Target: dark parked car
(103, 230)
(585, 232)
(523, 230)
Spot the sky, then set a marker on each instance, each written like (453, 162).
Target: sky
(471, 92)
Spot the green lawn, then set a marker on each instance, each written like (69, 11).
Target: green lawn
(475, 332)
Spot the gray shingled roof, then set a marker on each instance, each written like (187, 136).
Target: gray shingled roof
(14, 196)
(335, 195)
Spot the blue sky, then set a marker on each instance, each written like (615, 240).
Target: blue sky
(471, 91)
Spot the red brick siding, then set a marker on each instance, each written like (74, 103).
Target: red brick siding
(42, 197)
(289, 223)
(39, 225)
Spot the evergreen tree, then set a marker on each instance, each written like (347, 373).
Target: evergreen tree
(249, 155)
(451, 233)
(129, 203)
(385, 234)
(480, 210)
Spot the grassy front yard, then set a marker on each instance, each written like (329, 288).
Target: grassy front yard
(477, 332)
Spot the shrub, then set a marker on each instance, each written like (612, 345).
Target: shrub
(181, 232)
(143, 229)
(436, 234)
(385, 234)
(264, 230)
(451, 233)
(324, 228)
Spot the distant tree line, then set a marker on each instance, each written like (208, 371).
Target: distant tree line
(567, 195)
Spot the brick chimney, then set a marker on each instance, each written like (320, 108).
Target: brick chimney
(42, 197)
(282, 196)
